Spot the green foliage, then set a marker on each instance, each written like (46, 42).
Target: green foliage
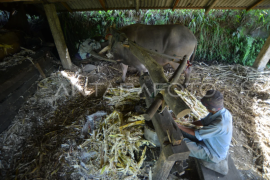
(223, 35)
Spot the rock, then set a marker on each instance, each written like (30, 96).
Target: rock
(221, 167)
(89, 68)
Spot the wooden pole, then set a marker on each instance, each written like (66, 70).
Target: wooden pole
(151, 111)
(263, 56)
(58, 35)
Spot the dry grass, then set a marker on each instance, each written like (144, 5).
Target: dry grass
(44, 140)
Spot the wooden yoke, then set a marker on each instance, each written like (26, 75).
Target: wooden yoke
(180, 110)
(155, 70)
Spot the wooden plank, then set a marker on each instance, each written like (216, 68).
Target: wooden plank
(20, 91)
(66, 6)
(40, 70)
(175, 4)
(254, 5)
(210, 7)
(163, 167)
(103, 5)
(11, 105)
(20, 88)
(263, 56)
(207, 174)
(15, 77)
(58, 35)
(95, 55)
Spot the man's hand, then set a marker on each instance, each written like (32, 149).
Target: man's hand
(197, 123)
(187, 130)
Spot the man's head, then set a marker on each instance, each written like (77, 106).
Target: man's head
(213, 101)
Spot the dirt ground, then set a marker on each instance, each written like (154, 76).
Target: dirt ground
(32, 148)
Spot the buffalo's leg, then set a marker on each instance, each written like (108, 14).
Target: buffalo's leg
(124, 71)
(187, 76)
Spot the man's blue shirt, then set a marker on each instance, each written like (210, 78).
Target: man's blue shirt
(216, 133)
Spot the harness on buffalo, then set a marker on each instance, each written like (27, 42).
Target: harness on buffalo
(188, 64)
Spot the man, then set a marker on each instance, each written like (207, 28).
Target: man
(211, 142)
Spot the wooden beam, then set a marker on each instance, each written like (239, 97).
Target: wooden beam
(32, 1)
(263, 56)
(16, 0)
(175, 4)
(205, 173)
(210, 7)
(254, 5)
(103, 4)
(134, 8)
(66, 6)
(137, 5)
(58, 35)
(40, 70)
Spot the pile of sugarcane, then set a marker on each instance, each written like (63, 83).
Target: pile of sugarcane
(118, 96)
(115, 145)
(117, 139)
(198, 110)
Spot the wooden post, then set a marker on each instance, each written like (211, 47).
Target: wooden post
(58, 35)
(263, 56)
